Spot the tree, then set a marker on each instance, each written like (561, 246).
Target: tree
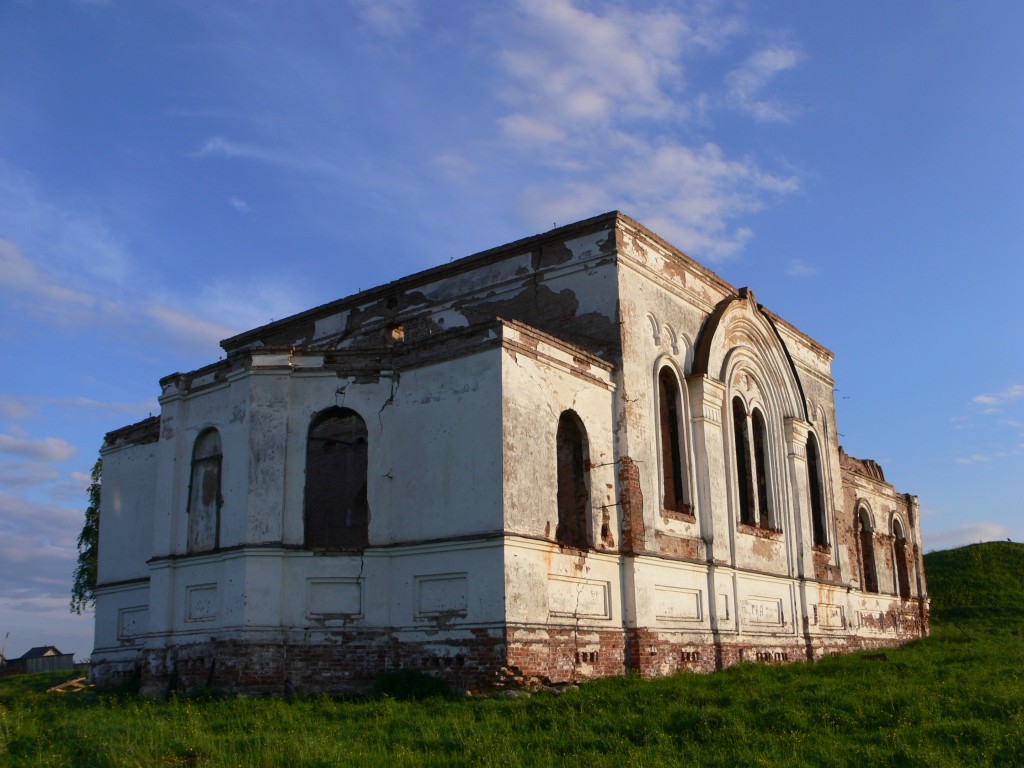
(88, 547)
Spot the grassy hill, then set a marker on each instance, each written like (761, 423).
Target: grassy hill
(980, 583)
(954, 699)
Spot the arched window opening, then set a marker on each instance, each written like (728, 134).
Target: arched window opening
(204, 499)
(573, 496)
(760, 466)
(743, 473)
(867, 552)
(902, 567)
(817, 497)
(673, 477)
(337, 515)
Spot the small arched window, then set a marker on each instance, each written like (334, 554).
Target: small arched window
(337, 514)
(672, 471)
(573, 495)
(204, 499)
(867, 551)
(741, 439)
(814, 485)
(902, 566)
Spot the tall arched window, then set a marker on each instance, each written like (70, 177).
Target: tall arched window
(204, 499)
(743, 474)
(573, 496)
(337, 515)
(672, 471)
(867, 551)
(760, 469)
(902, 571)
(814, 485)
(750, 438)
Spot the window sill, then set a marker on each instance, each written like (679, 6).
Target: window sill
(762, 533)
(683, 515)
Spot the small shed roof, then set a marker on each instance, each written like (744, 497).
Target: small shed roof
(40, 651)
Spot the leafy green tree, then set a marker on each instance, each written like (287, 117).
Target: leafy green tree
(88, 547)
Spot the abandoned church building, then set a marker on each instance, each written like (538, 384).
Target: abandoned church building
(577, 455)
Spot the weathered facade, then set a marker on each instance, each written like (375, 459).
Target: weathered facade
(576, 455)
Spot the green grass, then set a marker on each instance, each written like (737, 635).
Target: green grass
(954, 699)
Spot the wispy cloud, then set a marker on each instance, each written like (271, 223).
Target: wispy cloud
(76, 242)
(218, 146)
(746, 83)
(238, 204)
(391, 18)
(42, 536)
(582, 83)
(28, 474)
(981, 457)
(987, 415)
(798, 268)
(187, 325)
(20, 408)
(192, 323)
(46, 449)
(15, 408)
(43, 293)
(1008, 395)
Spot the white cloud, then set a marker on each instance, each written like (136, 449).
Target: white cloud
(969, 533)
(218, 146)
(689, 195)
(28, 474)
(78, 242)
(194, 323)
(598, 100)
(185, 325)
(530, 130)
(238, 204)
(1008, 395)
(980, 457)
(572, 64)
(455, 167)
(798, 268)
(745, 83)
(42, 292)
(391, 18)
(45, 294)
(46, 449)
(15, 408)
(138, 408)
(38, 547)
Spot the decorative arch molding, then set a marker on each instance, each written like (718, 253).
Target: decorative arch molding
(655, 329)
(740, 323)
(863, 508)
(670, 340)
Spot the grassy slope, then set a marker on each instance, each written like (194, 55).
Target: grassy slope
(954, 699)
(981, 583)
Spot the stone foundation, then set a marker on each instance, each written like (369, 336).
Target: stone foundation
(483, 659)
(566, 654)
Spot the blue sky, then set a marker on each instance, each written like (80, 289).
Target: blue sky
(174, 172)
